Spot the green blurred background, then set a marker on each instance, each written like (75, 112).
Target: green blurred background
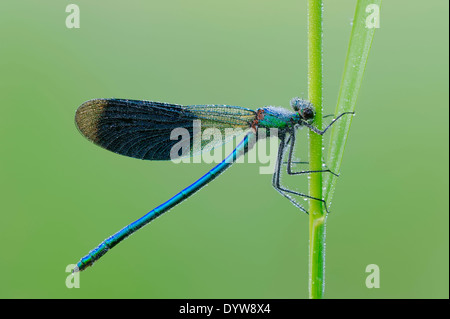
(60, 195)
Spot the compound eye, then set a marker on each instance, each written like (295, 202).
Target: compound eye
(308, 113)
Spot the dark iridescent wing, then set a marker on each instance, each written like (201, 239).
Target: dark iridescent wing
(142, 129)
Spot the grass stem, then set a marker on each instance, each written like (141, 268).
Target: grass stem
(317, 216)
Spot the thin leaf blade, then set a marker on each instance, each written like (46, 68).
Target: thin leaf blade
(358, 51)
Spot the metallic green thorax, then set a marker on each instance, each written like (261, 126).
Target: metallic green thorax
(276, 117)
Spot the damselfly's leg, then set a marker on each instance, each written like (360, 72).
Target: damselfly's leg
(289, 162)
(316, 130)
(291, 139)
(293, 162)
(281, 189)
(301, 162)
(276, 174)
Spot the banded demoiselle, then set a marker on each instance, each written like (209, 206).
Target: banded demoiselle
(142, 129)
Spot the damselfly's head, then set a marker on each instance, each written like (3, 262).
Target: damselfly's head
(304, 109)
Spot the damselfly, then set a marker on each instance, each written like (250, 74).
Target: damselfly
(142, 129)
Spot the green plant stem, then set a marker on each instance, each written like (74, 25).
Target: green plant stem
(316, 209)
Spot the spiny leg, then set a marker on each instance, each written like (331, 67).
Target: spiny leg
(289, 168)
(316, 130)
(276, 174)
(291, 141)
(276, 177)
(289, 163)
(295, 162)
(301, 162)
(288, 140)
(281, 189)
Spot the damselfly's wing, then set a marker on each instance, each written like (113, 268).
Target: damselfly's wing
(143, 129)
